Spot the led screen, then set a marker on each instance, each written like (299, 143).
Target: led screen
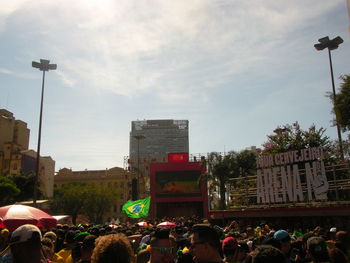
(177, 183)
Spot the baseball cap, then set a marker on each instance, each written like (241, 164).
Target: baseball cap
(229, 243)
(333, 230)
(25, 233)
(80, 236)
(281, 235)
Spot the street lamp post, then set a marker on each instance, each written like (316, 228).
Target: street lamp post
(43, 66)
(325, 42)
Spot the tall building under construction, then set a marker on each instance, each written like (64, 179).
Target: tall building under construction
(152, 141)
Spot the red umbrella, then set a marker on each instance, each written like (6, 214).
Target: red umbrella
(166, 224)
(13, 216)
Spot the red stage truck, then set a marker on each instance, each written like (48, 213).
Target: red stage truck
(178, 188)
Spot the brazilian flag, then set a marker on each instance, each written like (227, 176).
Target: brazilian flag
(138, 208)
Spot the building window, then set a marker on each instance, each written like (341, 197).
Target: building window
(115, 184)
(14, 166)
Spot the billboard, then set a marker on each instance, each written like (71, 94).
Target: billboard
(177, 183)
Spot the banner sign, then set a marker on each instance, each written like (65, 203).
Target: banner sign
(279, 181)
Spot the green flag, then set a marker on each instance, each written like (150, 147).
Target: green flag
(138, 208)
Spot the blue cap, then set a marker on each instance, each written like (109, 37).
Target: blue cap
(281, 235)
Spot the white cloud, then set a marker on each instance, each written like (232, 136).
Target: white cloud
(129, 47)
(5, 71)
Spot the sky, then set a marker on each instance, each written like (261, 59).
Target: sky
(235, 69)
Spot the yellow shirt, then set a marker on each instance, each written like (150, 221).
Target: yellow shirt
(57, 259)
(64, 253)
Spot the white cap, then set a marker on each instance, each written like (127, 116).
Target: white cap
(250, 244)
(333, 230)
(25, 233)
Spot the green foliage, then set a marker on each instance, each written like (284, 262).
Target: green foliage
(95, 208)
(292, 137)
(25, 183)
(8, 191)
(233, 165)
(70, 199)
(342, 103)
(220, 169)
(81, 198)
(246, 161)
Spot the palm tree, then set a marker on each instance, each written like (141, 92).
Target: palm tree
(220, 169)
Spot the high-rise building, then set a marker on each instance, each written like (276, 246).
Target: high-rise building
(151, 141)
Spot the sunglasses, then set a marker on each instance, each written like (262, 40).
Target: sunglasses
(165, 250)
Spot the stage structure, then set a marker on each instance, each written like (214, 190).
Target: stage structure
(178, 187)
(289, 186)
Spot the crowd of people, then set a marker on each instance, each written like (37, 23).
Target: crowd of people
(191, 240)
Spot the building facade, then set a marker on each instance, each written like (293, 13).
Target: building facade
(116, 178)
(12, 130)
(151, 141)
(16, 158)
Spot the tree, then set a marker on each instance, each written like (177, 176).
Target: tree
(25, 183)
(342, 103)
(220, 169)
(246, 161)
(8, 191)
(292, 137)
(95, 208)
(83, 198)
(71, 199)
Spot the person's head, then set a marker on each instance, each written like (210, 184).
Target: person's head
(69, 239)
(268, 254)
(205, 244)
(317, 249)
(243, 250)
(284, 238)
(343, 237)
(25, 244)
(51, 235)
(332, 233)
(142, 256)
(163, 247)
(87, 247)
(229, 246)
(48, 247)
(5, 234)
(114, 248)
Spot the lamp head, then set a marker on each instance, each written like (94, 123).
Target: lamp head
(44, 65)
(338, 40)
(319, 47)
(324, 40)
